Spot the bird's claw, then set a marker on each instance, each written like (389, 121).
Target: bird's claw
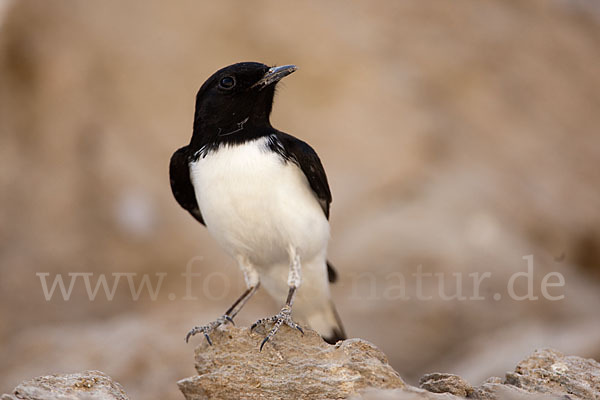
(206, 329)
(283, 317)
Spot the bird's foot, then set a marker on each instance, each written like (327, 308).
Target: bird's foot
(206, 329)
(283, 317)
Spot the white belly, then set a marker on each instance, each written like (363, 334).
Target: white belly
(257, 206)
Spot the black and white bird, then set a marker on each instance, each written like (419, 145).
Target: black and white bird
(263, 195)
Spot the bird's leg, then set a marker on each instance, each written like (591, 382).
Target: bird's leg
(225, 318)
(285, 314)
(252, 283)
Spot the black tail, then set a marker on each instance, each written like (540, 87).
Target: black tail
(332, 275)
(338, 332)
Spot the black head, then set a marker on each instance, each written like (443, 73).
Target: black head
(236, 100)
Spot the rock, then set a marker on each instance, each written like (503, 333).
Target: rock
(291, 366)
(446, 383)
(295, 366)
(508, 392)
(546, 374)
(88, 385)
(407, 393)
(548, 371)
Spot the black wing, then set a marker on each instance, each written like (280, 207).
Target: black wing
(307, 159)
(181, 185)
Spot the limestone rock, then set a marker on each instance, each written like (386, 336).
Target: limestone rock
(290, 366)
(549, 371)
(407, 393)
(546, 374)
(293, 366)
(88, 385)
(446, 383)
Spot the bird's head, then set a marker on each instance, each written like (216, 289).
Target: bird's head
(236, 96)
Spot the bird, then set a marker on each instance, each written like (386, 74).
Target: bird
(264, 197)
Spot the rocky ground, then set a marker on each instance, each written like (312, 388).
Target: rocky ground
(296, 366)
(88, 385)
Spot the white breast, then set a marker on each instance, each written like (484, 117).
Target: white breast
(255, 204)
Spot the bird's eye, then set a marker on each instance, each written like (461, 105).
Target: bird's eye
(227, 83)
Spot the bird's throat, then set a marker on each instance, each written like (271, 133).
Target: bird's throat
(232, 130)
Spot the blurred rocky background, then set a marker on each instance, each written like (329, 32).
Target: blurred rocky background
(458, 137)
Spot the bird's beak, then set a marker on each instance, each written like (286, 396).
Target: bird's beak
(274, 74)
